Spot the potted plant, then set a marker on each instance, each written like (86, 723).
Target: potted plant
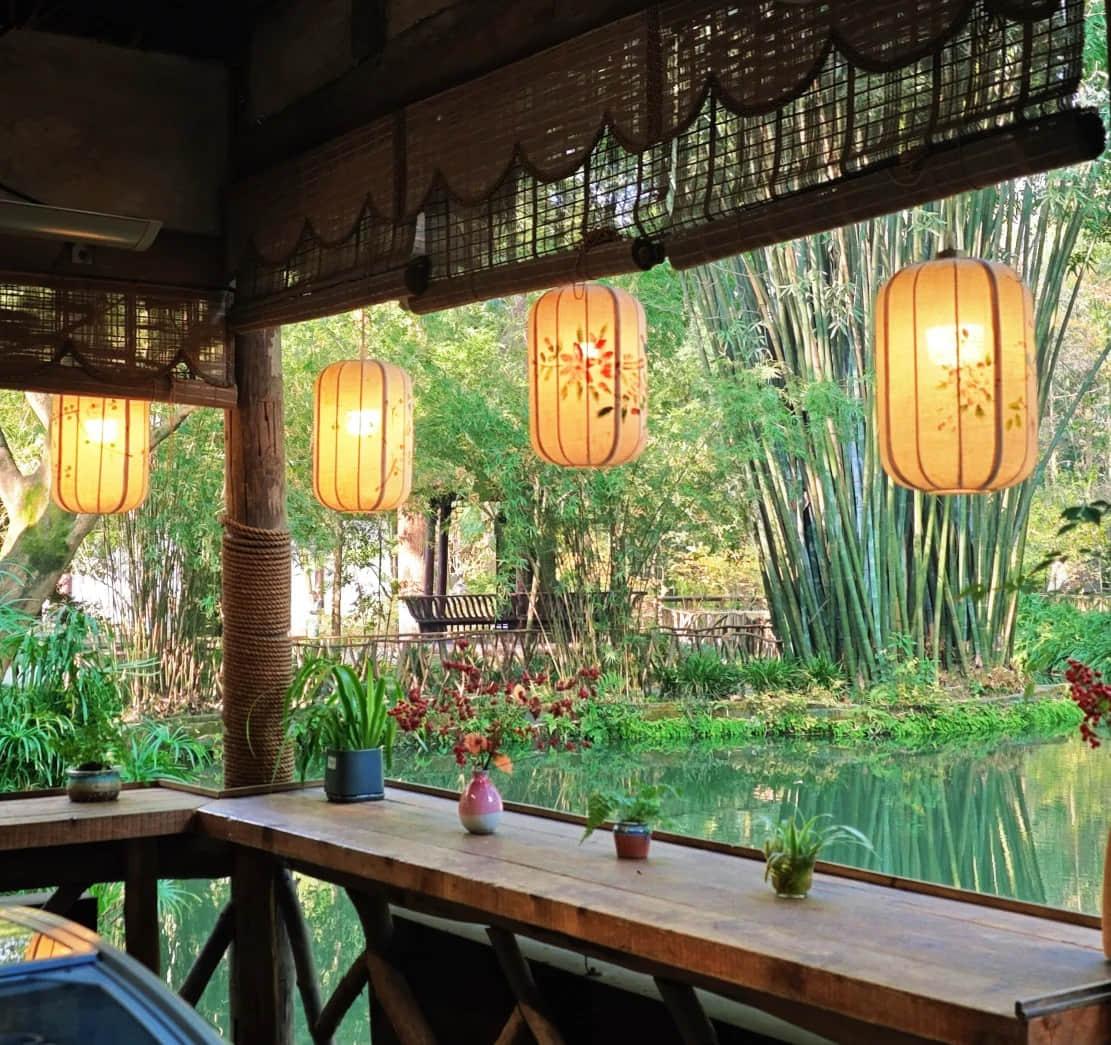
(792, 848)
(89, 751)
(634, 812)
(340, 716)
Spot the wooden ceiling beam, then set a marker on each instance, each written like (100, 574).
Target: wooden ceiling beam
(457, 43)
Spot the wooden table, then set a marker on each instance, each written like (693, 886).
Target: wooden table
(857, 960)
(53, 820)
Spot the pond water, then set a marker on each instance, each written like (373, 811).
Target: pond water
(1022, 819)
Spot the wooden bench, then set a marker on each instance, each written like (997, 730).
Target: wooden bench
(440, 613)
(447, 613)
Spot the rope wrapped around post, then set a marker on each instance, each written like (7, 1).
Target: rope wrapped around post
(257, 654)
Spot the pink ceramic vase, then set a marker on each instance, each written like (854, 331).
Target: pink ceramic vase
(480, 805)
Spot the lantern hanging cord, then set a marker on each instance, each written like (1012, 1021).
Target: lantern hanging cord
(362, 335)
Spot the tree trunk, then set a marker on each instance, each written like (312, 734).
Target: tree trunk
(337, 582)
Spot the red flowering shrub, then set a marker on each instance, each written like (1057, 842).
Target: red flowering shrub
(1093, 696)
(480, 716)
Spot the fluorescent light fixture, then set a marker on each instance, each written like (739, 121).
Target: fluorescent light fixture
(77, 226)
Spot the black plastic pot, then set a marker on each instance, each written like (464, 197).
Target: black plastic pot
(354, 776)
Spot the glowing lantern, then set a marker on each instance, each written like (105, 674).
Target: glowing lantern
(956, 388)
(100, 453)
(586, 374)
(362, 421)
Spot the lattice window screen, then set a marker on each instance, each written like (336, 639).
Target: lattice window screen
(74, 336)
(704, 129)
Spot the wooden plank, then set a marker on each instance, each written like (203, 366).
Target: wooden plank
(179, 856)
(343, 997)
(64, 897)
(307, 982)
(117, 129)
(176, 259)
(213, 950)
(530, 1004)
(140, 905)
(875, 955)
(387, 982)
(692, 1023)
(1079, 1015)
(515, 1031)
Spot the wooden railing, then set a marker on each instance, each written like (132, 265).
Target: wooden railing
(871, 958)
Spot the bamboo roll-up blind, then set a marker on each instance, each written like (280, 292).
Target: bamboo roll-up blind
(698, 128)
(69, 335)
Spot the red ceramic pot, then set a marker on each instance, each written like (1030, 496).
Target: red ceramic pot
(631, 840)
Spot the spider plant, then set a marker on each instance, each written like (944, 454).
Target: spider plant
(792, 848)
(331, 706)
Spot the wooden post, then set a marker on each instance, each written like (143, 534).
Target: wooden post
(261, 980)
(140, 904)
(255, 434)
(256, 569)
(257, 669)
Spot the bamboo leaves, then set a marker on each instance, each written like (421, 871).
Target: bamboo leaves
(852, 563)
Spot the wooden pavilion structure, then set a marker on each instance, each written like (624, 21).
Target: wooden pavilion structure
(288, 159)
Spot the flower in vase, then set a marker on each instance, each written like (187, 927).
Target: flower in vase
(481, 716)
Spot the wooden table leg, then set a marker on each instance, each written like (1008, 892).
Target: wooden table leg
(530, 1004)
(387, 982)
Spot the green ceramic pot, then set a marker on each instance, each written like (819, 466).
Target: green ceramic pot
(101, 784)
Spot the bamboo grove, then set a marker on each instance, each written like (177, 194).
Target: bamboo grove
(852, 564)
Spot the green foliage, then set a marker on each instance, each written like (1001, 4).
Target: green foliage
(160, 565)
(793, 843)
(924, 724)
(63, 701)
(701, 675)
(824, 672)
(639, 804)
(330, 705)
(1050, 633)
(28, 746)
(155, 750)
(64, 673)
(764, 674)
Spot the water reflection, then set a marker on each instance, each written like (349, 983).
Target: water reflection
(1026, 820)
(1021, 819)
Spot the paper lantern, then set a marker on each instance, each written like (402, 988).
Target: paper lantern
(99, 453)
(956, 388)
(587, 376)
(362, 422)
